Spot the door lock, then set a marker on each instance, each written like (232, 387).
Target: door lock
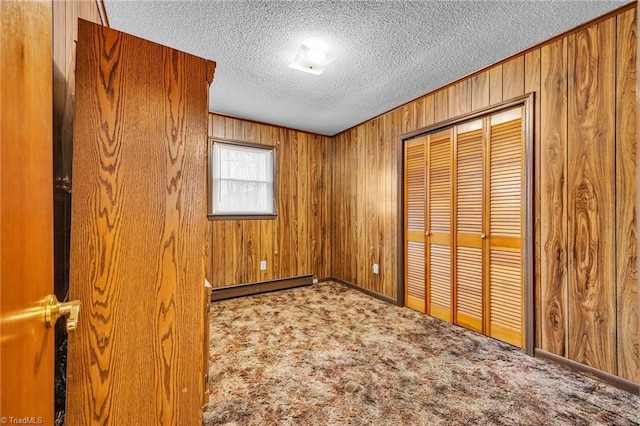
(55, 309)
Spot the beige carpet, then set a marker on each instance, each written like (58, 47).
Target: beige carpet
(329, 355)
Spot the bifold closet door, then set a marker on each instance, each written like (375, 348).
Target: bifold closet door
(505, 319)
(415, 199)
(469, 225)
(438, 234)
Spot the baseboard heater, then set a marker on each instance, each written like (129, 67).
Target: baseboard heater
(239, 290)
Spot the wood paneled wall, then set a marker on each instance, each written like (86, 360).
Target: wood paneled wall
(65, 31)
(297, 242)
(584, 195)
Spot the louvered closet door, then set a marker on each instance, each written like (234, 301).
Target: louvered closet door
(415, 199)
(506, 292)
(469, 225)
(438, 233)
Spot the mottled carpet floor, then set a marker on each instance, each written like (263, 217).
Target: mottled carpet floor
(330, 355)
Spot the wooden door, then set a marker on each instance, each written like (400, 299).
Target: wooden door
(504, 204)
(137, 231)
(469, 224)
(415, 199)
(26, 211)
(438, 234)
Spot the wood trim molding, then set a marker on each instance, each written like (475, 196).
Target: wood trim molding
(240, 290)
(619, 382)
(492, 109)
(638, 158)
(368, 292)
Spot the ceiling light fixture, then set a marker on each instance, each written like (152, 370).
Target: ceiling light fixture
(311, 59)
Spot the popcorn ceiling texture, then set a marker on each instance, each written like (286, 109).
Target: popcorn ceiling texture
(388, 52)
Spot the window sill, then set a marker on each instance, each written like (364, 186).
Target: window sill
(242, 217)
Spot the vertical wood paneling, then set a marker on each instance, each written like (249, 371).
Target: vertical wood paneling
(65, 18)
(513, 78)
(591, 183)
(251, 228)
(495, 85)
(386, 257)
(373, 195)
(553, 315)
(361, 268)
(352, 209)
(480, 91)
(532, 75)
(440, 105)
(460, 98)
(626, 224)
(326, 235)
(390, 210)
(394, 156)
(313, 212)
(421, 114)
(268, 229)
(297, 241)
(302, 234)
(545, 72)
(429, 117)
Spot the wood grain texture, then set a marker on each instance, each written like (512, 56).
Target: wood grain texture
(440, 105)
(545, 72)
(626, 223)
(637, 151)
(26, 210)
(362, 268)
(553, 314)
(251, 228)
(480, 91)
(297, 241)
(495, 85)
(532, 76)
(137, 256)
(65, 24)
(372, 196)
(429, 112)
(591, 186)
(513, 78)
(460, 98)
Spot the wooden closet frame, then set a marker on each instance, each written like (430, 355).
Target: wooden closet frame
(527, 103)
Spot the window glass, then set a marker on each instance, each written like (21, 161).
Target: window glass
(242, 180)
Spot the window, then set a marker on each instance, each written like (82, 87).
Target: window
(241, 180)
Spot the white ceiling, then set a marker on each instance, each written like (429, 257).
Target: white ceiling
(388, 52)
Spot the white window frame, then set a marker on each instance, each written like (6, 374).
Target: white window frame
(216, 211)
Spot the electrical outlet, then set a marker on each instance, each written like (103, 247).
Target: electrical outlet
(376, 269)
(263, 265)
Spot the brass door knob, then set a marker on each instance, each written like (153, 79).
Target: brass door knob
(483, 236)
(55, 309)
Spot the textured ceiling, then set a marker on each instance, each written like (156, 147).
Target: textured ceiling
(388, 52)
